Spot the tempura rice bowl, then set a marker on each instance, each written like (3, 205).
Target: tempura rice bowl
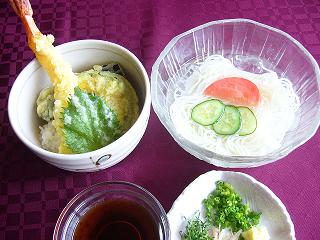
(82, 55)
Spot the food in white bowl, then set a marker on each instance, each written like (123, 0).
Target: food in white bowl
(281, 113)
(234, 112)
(226, 217)
(85, 111)
(78, 56)
(103, 85)
(247, 210)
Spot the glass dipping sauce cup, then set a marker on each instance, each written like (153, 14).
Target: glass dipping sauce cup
(101, 192)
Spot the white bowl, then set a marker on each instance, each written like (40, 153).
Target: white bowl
(82, 55)
(274, 214)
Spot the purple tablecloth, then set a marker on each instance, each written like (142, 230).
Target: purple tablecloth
(33, 193)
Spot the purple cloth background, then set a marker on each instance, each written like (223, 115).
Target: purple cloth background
(33, 193)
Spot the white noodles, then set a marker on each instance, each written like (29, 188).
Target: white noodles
(275, 112)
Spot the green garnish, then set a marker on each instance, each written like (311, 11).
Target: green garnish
(197, 229)
(224, 208)
(89, 123)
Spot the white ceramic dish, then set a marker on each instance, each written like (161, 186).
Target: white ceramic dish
(82, 55)
(274, 214)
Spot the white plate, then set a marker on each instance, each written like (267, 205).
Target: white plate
(274, 214)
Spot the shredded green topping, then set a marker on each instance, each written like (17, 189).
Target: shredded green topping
(197, 229)
(89, 124)
(224, 208)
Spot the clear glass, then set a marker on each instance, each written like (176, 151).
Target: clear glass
(85, 200)
(250, 46)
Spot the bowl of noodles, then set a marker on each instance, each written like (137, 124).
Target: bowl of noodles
(237, 93)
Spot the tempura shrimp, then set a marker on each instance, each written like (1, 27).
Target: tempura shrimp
(59, 71)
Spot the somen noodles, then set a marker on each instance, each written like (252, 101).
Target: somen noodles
(275, 112)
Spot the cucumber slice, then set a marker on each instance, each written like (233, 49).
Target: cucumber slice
(230, 121)
(208, 112)
(249, 121)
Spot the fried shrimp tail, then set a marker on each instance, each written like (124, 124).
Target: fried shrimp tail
(24, 10)
(59, 71)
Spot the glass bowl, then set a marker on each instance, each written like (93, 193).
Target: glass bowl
(251, 46)
(108, 191)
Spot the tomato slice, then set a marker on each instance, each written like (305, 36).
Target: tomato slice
(234, 90)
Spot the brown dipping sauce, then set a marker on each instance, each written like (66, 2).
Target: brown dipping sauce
(118, 219)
